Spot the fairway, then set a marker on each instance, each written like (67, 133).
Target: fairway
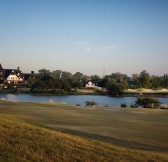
(144, 129)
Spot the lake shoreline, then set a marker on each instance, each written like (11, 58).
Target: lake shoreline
(126, 93)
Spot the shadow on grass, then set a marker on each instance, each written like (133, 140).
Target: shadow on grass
(115, 141)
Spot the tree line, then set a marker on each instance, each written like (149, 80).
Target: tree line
(62, 82)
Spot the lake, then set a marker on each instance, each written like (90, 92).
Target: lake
(75, 99)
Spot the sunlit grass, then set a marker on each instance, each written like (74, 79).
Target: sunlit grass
(27, 130)
(21, 141)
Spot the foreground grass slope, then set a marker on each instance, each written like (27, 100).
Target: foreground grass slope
(22, 141)
(144, 129)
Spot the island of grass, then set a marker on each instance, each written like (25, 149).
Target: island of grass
(56, 132)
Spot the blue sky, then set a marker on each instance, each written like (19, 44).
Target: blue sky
(124, 36)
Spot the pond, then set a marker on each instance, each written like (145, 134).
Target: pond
(76, 99)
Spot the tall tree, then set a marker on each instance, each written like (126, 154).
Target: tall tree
(66, 75)
(115, 89)
(44, 74)
(144, 79)
(78, 76)
(57, 74)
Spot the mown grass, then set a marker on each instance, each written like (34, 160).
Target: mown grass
(123, 129)
(22, 141)
(148, 91)
(86, 91)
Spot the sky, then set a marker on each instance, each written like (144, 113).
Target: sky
(89, 36)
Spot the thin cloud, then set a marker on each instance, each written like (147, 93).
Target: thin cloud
(105, 48)
(100, 48)
(87, 49)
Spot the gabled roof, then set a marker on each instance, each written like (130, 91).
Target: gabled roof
(88, 81)
(17, 72)
(91, 82)
(26, 76)
(6, 73)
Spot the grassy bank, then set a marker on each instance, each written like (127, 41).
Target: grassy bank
(32, 131)
(21, 141)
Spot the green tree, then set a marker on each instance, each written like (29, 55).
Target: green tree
(78, 76)
(84, 78)
(115, 89)
(57, 74)
(66, 75)
(135, 81)
(144, 79)
(95, 78)
(106, 82)
(44, 73)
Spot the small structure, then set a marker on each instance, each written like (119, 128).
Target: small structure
(13, 76)
(90, 84)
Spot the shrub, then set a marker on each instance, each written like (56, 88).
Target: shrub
(106, 106)
(147, 102)
(123, 104)
(77, 104)
(133, 105)
(91, 103)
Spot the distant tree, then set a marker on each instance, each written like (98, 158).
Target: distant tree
(159, 81)
(57, 84)
(135, 81)
(106, 82)
(44, 73)
(155, 82)
(65, 85)
(66, 75)
(78, 76)
(135, 77)
(96, 79)
(144, 79)
(119, 77)
(76, 84)
(77, 80)
(115, 79)
(57, 74)
(115, 89)
(84, 78)
(165, 81)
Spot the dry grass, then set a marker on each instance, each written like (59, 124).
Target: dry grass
(21, 141)
(30, 132)
(86, 91)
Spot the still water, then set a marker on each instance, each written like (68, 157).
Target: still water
(73, 100)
